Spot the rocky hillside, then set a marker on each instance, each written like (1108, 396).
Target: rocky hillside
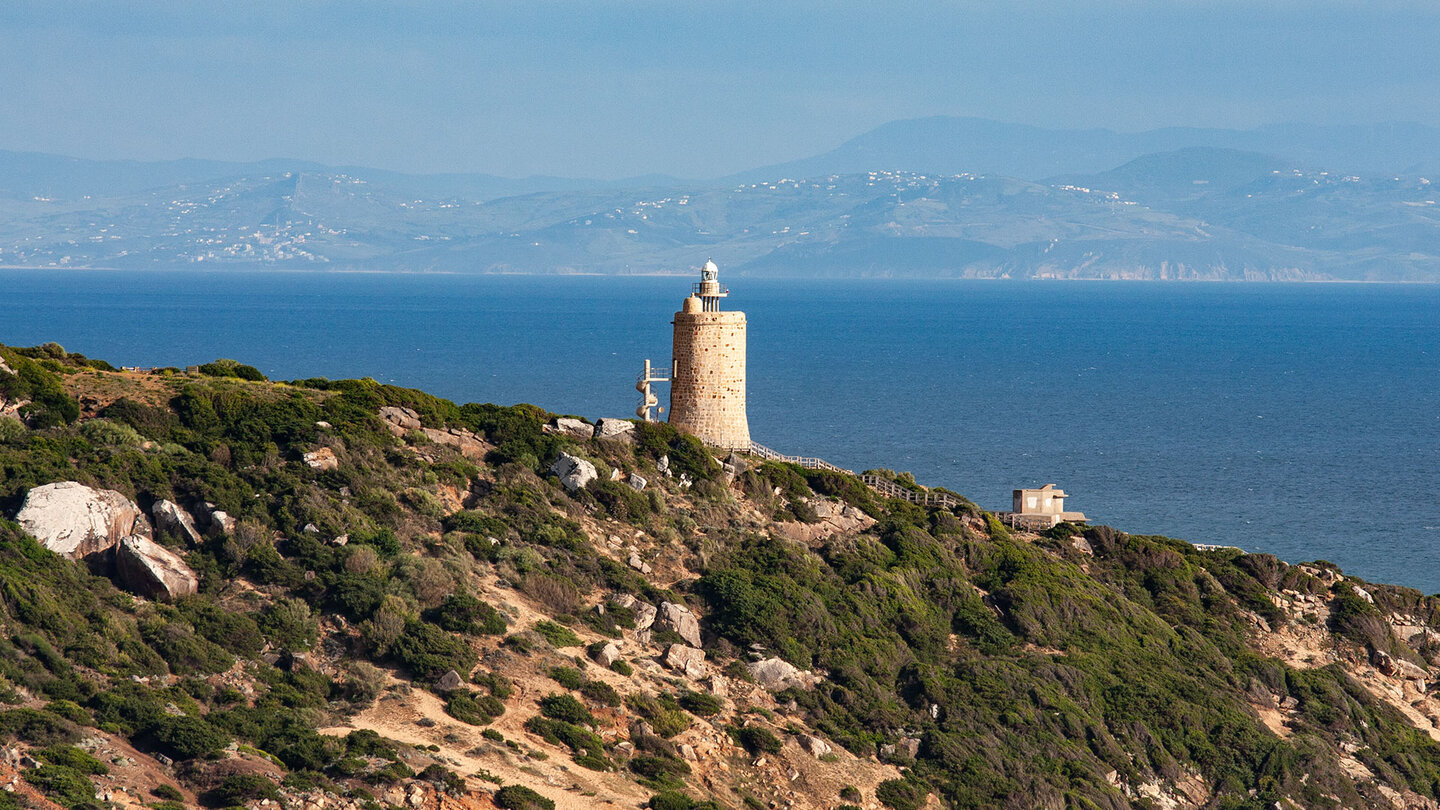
(216, 590)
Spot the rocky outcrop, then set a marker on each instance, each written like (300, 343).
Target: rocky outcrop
(173, 520)
(321, 459)
(644, 612)
(832, 518)
(777, 674)
(76, 521)
(469, 445)
(148, 569)
(570, 426)
(636, 482)
(680, 619)
(687, 660)
(400, 420)
(575, 473)
(1397, 667)
(449, 682)
(620, 429)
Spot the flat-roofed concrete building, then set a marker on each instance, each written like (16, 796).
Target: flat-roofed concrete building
(1041, 508)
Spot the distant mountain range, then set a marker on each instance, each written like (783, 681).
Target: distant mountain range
(940, 197)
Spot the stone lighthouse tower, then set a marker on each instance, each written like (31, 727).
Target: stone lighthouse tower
(707, 385)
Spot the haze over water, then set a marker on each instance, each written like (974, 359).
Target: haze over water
(1300, 420)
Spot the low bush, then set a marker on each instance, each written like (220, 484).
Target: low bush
(902, 794)
(700, 704)
(472, 708)
(463, 613)
(757, 740)
(240, 788)
(519, 797)
(558, 635)
(567, 708)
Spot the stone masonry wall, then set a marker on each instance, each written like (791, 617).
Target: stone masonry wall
(707, 392)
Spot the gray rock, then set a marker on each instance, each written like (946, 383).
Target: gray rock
(610, 428)
(578, 428)
(146, 568)
(687, 751)
(322, 459)
(400, 420)
(449, 682)
(176, 521)
(637, 482)
(680, 619)
(816, 746)
(76, 521)
(469, 445)
(638, 564)
(574, 473)
(300, 662)
(607, 655)
(688, 660)
(221, 522)
(644, 615)
(777, 674)
(663, 466)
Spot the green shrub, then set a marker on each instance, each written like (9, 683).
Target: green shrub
(463, 613)
(757, 740)
(700, 704)
(231, 368)
(68, 756)
(519, 797)
(567, 708)
(600, 692)
(588, 749)
(477, 710)
(186, 737)
(623, 667)
(240, 788)
(168, 793)
(66, 787)
(902, 794)
(663, 712)
(289, 624)
(429, 652)
(568, 677)
(675, 800)
(36, 727)
(557, 635)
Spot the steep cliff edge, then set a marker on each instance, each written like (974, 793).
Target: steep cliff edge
(423, 615)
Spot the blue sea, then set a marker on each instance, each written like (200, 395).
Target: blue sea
(1300, 420)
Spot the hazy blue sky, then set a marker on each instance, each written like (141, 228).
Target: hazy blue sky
(608, 89)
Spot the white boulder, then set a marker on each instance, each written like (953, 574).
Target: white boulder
(687, 660)
(680, 619)
(615, 429)
(777, 674)
(574, 473)
(149, 569)
(76, 521)
(569, 426)
(172, 519)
